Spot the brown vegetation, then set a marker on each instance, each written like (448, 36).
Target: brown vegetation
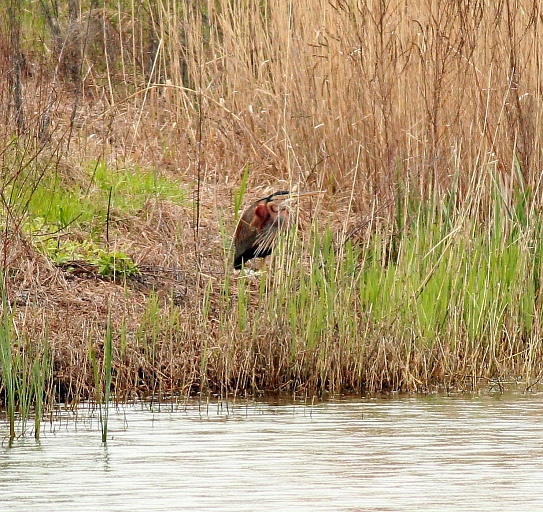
(358, 99)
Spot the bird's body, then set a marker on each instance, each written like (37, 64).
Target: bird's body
(258, 228)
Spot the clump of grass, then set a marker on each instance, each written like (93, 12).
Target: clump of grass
(102, 371)
(41, 368)
(133, 187)
(55, 210)
(26, 374)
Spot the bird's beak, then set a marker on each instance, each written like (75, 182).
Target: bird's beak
(296, 195)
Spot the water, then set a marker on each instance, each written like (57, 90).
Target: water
(429, 453)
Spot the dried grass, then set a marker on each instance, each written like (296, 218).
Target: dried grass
(380, 104)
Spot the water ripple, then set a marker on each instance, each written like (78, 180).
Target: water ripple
(435, 453)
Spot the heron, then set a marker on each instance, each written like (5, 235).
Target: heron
(260, 223)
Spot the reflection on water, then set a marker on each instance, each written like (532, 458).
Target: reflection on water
(434, 453)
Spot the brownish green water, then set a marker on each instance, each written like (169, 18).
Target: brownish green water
(424, 453)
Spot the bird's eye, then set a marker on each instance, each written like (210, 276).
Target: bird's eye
(273, 207)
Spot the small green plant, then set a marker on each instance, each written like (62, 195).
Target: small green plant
(116, 264)
(61, 250)
(108, 263)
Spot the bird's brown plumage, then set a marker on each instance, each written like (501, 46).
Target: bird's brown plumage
(257, 228)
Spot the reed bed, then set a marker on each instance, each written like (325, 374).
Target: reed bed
(135, 132)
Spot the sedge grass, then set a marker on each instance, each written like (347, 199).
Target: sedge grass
(26, 375)
(8, 376)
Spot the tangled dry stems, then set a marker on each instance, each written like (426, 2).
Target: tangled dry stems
(372, 102)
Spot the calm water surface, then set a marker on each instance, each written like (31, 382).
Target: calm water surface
(429, 453)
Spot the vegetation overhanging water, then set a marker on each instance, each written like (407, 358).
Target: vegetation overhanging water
(132, 140)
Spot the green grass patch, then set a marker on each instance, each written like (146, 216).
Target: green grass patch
(85, 204)
(132, 188)
(55, 209)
